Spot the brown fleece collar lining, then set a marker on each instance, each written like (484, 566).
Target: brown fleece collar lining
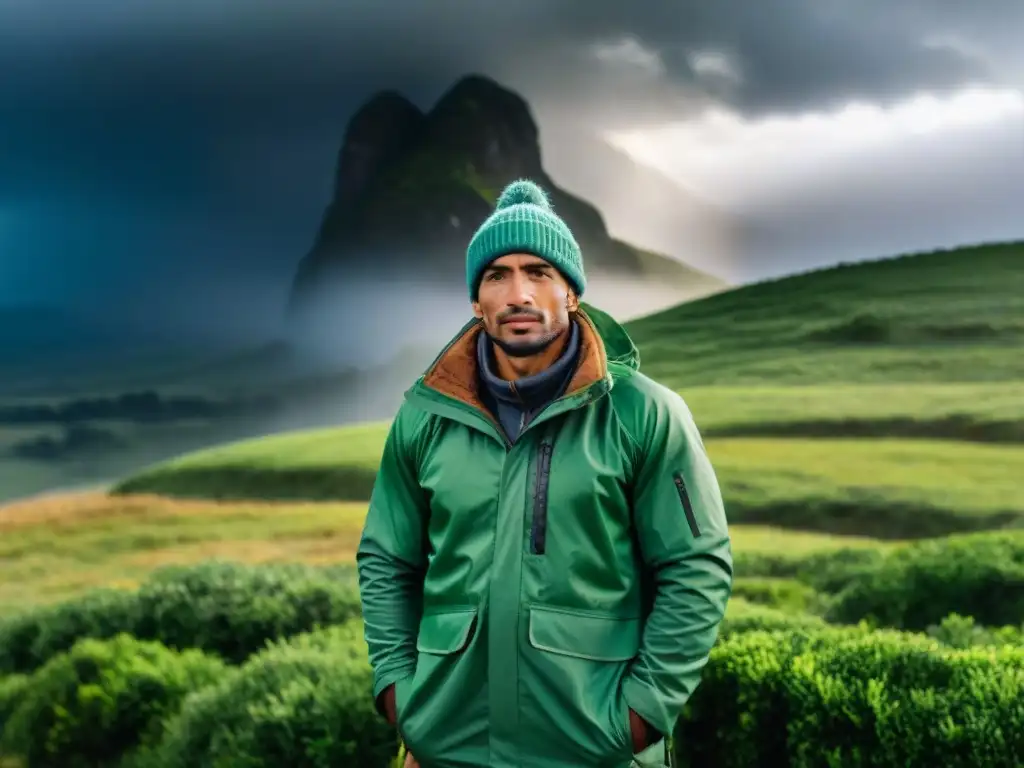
(455, 373)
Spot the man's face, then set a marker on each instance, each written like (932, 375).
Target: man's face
(524, 303)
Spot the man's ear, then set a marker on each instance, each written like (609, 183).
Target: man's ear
(477, 312)
(572, 302)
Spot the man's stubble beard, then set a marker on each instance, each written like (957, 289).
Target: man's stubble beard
(527, 348)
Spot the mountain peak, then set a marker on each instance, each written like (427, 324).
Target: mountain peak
(477, 85)
(412, 188)
(385, 126)
(482, 120)
(476, 93)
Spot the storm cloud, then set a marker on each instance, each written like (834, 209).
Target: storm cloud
(237, 54)
(140, 142)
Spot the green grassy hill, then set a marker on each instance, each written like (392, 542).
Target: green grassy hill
(950, 316)
(887, 488)
(789, 381)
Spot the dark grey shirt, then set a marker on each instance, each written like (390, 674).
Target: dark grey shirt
(516, 403)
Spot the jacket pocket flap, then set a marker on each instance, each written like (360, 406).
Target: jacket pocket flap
(584, 635)
(445, 632)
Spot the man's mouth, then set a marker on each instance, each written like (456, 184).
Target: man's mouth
(520, 321)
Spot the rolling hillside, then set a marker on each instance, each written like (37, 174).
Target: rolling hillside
(835, 402)
(783, 378)
(949, 316)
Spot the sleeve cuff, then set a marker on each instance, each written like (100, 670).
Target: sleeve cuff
(642, 701)
(382, 683)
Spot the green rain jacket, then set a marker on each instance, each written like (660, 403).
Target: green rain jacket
(523, 597)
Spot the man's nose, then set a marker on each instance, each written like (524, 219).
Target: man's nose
(521, 290)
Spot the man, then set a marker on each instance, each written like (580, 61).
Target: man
(545, 561)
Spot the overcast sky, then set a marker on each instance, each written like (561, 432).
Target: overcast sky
(158, 143)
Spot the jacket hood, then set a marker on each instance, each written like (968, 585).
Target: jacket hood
(622, 353)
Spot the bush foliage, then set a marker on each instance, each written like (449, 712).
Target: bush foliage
(102, 699)
(301, 703)
(785, 594)
(913, 586)
(846, 697)
(223, 664)
(224, 608)
(826, 572)
(959, 631)
(981, 575)
(12, 689)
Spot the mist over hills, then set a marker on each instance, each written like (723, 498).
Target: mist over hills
(411, 187)
(385, 268)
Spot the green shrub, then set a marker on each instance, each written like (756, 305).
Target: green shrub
(234, 610)
(830, 572)
(29, 639)
(743, 616)
(825, 572)
(784, 594)
(12, 689)
(303, 702)
(97, 702)
(981, 575)
(884, 701)
(845, 697)
(959, 631)
(225, 608)
(737, 715)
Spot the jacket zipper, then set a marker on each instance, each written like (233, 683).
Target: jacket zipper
(539, 529)
(684, 497)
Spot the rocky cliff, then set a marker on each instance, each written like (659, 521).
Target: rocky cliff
(412, 187)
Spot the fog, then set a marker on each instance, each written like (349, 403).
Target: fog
(366, 321)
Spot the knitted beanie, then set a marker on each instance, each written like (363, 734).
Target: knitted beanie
(524, 222)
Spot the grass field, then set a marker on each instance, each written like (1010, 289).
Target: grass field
(884, 488)
(985, 412)
(57, 549)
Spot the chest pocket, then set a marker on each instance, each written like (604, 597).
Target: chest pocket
(579, 494)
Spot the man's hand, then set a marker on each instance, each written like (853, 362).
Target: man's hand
(389, 704)
(638, 730)
(389, 709)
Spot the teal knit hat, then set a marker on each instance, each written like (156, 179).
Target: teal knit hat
(524, 222)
